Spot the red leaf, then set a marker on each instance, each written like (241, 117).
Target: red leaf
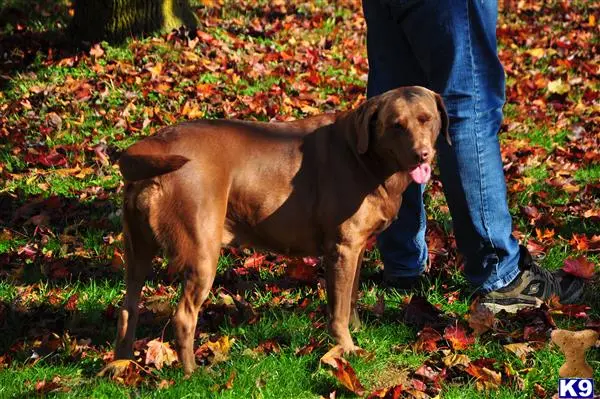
(457, 337)
(302, 269)
(255, 260)
(71, 304)
(579, 267)
(51, 159)
(309, 348)
(427, 340)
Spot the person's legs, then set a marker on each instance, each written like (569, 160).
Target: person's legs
(391, 65)
(452, 45)
(449, 46)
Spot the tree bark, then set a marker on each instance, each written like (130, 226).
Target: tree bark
(115, 20)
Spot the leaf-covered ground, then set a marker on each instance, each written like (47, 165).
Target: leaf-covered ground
(65, 114)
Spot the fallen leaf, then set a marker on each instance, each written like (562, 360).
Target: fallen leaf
(539, 391)
(480, 318)
(124, 371)
(486, 379)
(456, 359)
(215, 352)
(160, 353)
(341, 369)
(302, 269)
(558, 87)
(521, 350)
(427, 340)
(579, 267)
(419, 312)
(457, 337)
(309, 348)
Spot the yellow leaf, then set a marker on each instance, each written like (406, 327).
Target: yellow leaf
(537, 52)
(558, 86)
(116, 368)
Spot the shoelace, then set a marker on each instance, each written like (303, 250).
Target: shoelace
(552, 282)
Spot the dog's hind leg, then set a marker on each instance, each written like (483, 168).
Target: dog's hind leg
(198, 253)
(139, 252)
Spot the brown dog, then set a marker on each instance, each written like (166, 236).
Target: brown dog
(318, 186)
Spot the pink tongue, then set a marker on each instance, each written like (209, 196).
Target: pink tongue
(421, 173)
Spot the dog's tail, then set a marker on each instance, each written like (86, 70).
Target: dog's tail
(141, 161)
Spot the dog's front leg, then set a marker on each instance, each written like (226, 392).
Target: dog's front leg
(341, 264)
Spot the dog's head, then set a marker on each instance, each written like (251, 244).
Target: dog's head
(402, 126)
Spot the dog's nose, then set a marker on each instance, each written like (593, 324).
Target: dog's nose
(424, 155)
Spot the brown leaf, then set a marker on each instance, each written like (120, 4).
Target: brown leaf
(160, 353)
(379, 307)
(45, 387)
(393, 392)
(456, 359)
(480, 318)
(539, 391)
(485, 378)
(124, 371)
(427, 340)
(520, 349)
(419, 312)
(341, 369)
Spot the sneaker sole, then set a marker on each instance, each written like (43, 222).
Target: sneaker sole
(510, 306)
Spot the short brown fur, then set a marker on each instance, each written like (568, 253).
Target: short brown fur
(319, 186)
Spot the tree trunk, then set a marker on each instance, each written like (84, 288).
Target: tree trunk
(117, 19)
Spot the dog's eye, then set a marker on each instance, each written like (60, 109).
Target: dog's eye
(423, 118)
(397, 125)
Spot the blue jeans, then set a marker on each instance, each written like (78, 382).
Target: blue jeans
(449, 46)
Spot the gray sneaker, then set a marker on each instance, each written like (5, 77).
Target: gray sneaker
(532, 287)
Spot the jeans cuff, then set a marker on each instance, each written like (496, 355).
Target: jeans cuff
(500, 282)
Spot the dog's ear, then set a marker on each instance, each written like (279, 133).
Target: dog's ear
(443, 117)
(366, 124)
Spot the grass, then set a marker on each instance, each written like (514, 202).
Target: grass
(60, 243)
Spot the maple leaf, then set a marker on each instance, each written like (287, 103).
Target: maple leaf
(457, 337)
(480, 318)
(579, 267)
(341, 369)
(160, 353)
